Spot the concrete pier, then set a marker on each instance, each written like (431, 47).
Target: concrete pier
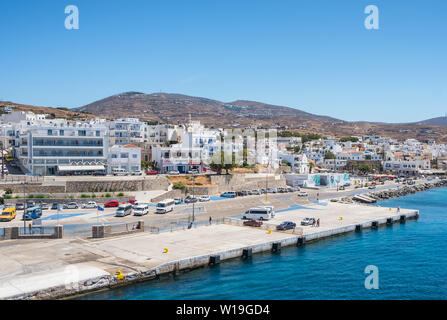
(63, 267)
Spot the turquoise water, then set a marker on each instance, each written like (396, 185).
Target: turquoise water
(411, 258)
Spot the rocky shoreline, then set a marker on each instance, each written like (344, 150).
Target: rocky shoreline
(401, 191)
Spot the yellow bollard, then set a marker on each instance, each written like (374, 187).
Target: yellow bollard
(340, 218)
(119, 275)
(269, 231)
(390, 209)
(165, 250)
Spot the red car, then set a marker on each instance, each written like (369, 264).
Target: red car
(132, 201)
(253, 223)
(152, 172)
(111, 204)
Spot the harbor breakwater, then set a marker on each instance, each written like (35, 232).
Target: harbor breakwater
(402, 190)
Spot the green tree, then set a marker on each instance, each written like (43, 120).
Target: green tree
(346, 139)
(329, 155)
(365, 168)
(221, 161)
(311, 166)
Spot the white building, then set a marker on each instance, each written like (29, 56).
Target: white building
(126, 131)
(127, 157)
(406, 167)
(59, 148)
(177, 158)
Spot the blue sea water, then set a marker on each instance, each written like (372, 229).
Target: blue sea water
(411, 259)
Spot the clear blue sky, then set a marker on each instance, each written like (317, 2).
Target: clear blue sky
(313, 55)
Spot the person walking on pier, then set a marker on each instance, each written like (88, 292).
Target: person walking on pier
(318, 222)
(398, 208)
(211, 219)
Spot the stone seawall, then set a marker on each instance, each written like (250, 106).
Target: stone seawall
(70, 186)
(175, 193)
(404, 190)
(36, 188)
(153, 183)
(239, 182)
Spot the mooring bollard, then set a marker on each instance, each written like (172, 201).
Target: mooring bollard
(389, 221)
(402, 218)
(374, 224)
(358, 228)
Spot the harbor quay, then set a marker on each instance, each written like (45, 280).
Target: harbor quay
(49, 269)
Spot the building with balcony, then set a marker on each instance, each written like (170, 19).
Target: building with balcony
(62, 148)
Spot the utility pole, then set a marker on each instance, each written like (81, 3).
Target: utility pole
(24, 205)
(3, 160)
(193, 195)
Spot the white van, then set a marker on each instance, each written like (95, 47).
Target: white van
(271, 208)
(165, 206)
(259, 213)
(124, 209)
(119, 172)
(141, 210)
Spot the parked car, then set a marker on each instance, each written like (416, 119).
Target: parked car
(281, 190)
(373, 186)
(191, 199)
(136, 173)
(124, 209)
(54, 206)
(141, 210)
(178, 201)
(99, 173)
(204, 198)
(307, 221)
(272, 190)
(295, 189)
(302, 194)
(286, 225)
(119, 172)
(132, 201)
(32, 213)
(290, 189)
(253, 223)
(111, 204)
(229, 194)
(20, 206)
(89, 205)
(152, 172)
(8, 214)
(256, 192)
(193, 171)
(71, 205)
(174, 172)
(44, 206)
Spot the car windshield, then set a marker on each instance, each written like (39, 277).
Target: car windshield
(161, 205)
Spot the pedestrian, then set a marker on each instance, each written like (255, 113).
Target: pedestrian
(398, 208)
(318, 222)
(314, 222)
(211, 219)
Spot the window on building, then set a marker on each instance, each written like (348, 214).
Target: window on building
(61, 132)
(124, 155)
(98, 133)
(134, 156)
